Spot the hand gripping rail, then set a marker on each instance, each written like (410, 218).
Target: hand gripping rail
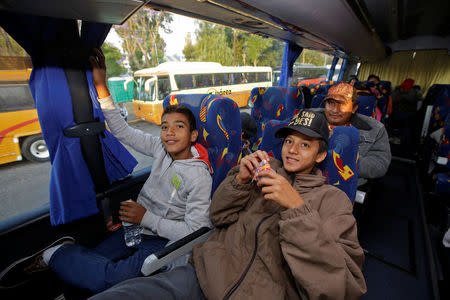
(159, 259)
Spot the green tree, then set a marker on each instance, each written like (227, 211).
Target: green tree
(189, 49)
(273, 55)
(255, 48)
(211, 45)
(230, 46)
(312, 57)
(114, 60)
(141, 39)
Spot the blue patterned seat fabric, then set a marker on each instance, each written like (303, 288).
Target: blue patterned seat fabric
(367, 106)
(219, 129)
(319, 91)
(274, 103)
(442, 183)
(341, 164)
(317, 101)
(441, 105)
(442, 180)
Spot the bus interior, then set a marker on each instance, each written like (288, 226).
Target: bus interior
(404, 215)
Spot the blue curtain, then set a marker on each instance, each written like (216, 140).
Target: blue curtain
(291, 53)
(342, 70)
(48, 41)
(332, 68)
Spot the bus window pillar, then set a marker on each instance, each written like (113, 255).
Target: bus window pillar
(333, 66)
(291, 53)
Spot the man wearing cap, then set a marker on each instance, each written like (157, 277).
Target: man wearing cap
(286, 235)
(374, 150)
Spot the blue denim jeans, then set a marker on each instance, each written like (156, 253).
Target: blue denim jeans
(99, 268)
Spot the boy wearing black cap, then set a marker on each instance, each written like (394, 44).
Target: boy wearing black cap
(287, 236)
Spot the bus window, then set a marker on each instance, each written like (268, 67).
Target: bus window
(138, 88)
(148, 94)
(262, 76)
(251, 77)
(15, 97)
(203, 80)
(311, 67)
(237, 78)
(20, 135)
(163, 87)
(221, 79)
(184, 82)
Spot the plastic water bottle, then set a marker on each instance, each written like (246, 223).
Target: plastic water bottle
(132, 233)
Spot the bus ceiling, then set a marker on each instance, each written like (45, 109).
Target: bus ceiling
(361, 29)
(104, 11)
(355, 29)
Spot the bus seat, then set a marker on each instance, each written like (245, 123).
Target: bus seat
(444, 144)
(434, 109)
(340, 167)
(439, 161)
(269, 143)
(442, 183)
(317, 101)
(275, 103)
(322, 87)
(367, 106)
(441, 106)
(219, 127)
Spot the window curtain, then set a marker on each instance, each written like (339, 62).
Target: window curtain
(48, 41)
(426, 67)
(291, 53)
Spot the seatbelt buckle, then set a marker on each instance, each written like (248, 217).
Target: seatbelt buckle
(85, 129)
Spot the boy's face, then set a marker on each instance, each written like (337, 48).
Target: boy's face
(300, 153)
(176, 135)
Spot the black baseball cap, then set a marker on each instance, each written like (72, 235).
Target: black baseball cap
(308, 122)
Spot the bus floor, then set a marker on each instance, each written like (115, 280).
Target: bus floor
(392, 234)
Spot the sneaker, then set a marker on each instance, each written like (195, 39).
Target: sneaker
(20, 271)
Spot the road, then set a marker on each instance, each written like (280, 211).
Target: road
(24, 185)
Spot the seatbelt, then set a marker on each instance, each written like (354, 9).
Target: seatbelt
(87, 128)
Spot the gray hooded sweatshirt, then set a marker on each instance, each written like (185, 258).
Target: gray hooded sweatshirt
(177, 193)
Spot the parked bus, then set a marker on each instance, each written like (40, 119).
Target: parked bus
(20, 131)
(154, 84)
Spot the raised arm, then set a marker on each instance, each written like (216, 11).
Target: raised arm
(139, 140)
(196, 216)
(322, 249)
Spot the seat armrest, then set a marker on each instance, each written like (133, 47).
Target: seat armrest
(440, 160)
(157, 260)
(360, 196)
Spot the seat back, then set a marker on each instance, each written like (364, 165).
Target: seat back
(317, 101)
(274, 103)
(441, 106)
(444, 144)
(340, 167)
(367, 106)
(219, 129)
(322, 87)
